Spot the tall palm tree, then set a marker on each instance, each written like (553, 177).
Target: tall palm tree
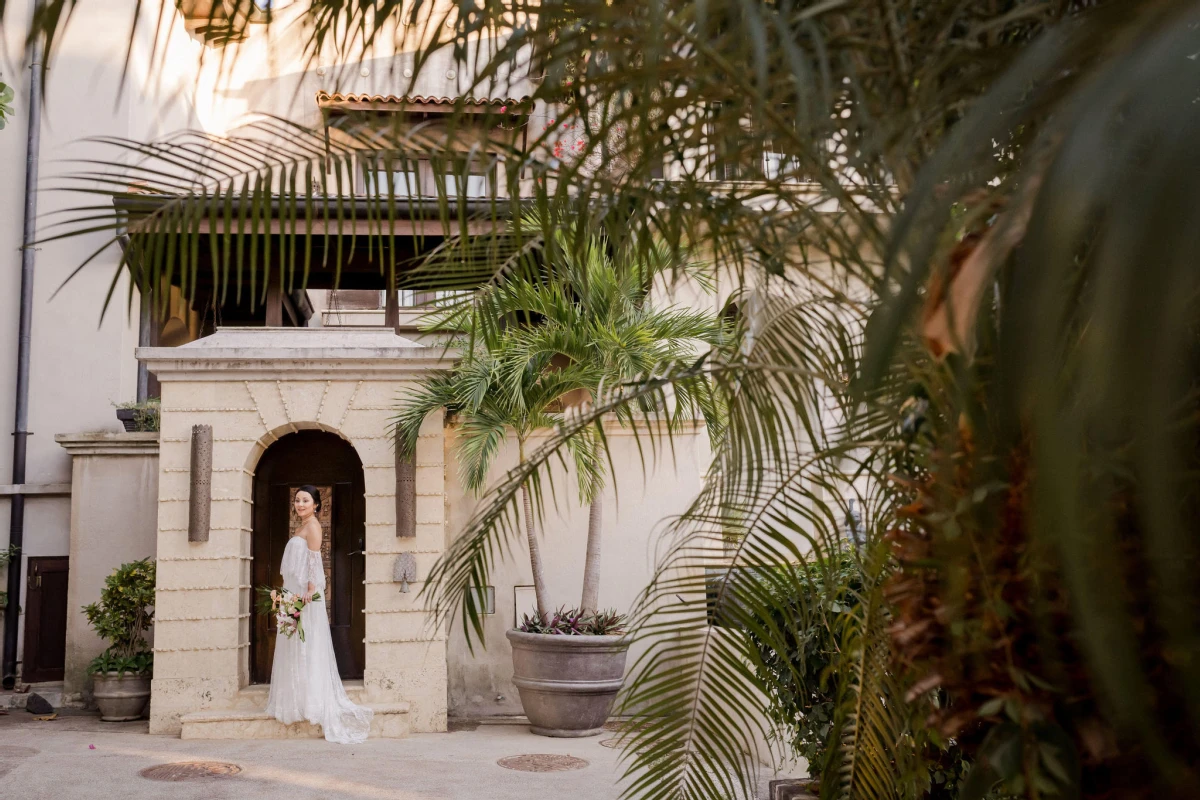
(491, 399)
(583, 327)
(594, 308)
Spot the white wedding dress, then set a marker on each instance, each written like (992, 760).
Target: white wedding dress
(305, 684)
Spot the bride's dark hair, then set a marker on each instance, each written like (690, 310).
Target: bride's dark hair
(314, 493)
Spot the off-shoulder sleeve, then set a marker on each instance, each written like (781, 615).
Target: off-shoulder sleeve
(316, 569)
(294, 567)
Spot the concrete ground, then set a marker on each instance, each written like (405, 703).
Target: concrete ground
(52, 759)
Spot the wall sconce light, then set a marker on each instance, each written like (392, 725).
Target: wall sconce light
(404, 570)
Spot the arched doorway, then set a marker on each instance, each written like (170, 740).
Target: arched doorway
(331, 464)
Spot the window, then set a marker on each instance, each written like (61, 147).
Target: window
(777, 166)
(404, 183)
(429, 178)
(403, 175)
(740, 153)
(473, 178)
(736, 156)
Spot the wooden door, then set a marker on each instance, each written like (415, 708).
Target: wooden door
(45, 620)
(330, 464)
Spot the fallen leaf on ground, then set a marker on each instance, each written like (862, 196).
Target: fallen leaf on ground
(46, 717)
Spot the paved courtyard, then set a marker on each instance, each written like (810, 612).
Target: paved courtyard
(53, 760)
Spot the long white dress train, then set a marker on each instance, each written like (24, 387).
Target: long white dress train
(305, 684)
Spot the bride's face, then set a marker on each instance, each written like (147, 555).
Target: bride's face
(304, 505)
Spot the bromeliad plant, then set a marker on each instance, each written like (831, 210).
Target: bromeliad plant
(574, 622)
(122, 616)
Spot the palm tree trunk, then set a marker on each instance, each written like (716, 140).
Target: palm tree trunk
(591, 566)
(535, 548)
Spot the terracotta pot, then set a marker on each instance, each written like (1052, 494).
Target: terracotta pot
(567, 683)
(121, 697)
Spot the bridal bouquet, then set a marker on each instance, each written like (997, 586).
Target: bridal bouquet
(286, 607)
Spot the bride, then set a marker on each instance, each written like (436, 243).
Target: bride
(304, 677)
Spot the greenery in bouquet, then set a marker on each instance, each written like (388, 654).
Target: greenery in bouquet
(286, 606)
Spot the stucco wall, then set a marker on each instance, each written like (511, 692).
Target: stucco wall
(81, 364)
(637, 507)
(114, 513)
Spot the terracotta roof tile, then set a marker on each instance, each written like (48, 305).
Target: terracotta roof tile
(335, 99)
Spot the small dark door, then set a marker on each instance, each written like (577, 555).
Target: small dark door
(45, 620)
(331, 464)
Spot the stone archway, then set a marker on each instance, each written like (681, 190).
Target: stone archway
(330, 463)
(256, 388)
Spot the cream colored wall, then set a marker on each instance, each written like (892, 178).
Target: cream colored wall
(81, 364)
(114, 504)
(637, 509)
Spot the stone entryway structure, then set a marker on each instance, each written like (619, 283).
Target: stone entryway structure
(329, 463)
(257, 387)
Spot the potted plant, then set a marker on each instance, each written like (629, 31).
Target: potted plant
(122, 617)
(139, 417)
(583, 322)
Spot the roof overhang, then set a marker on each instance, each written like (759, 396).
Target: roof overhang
(421, 216)
(338, 102)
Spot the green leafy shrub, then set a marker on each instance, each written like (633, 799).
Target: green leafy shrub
(6, 97)
(122, 617)
(801, 681)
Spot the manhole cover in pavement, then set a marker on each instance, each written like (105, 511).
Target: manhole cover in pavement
(542, 762)
(190, 771)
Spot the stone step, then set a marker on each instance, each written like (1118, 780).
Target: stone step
(254, 697)
(53, 692)
(248, 718)
(390, 722)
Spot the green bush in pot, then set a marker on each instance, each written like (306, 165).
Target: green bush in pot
(122, 616)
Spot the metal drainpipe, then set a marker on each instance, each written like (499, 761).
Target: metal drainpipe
(144, 320)
(16, 530)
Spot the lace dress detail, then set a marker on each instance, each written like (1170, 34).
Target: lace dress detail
(305, 684)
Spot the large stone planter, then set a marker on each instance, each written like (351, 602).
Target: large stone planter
(121, 697)
(567, 683)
